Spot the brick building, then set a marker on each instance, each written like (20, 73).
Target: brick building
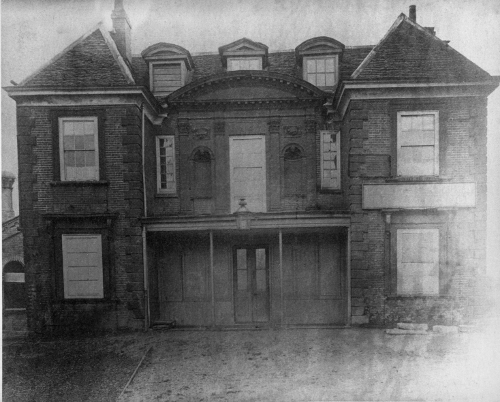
(328, 185)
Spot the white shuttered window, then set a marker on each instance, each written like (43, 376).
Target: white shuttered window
(82, 266)
(167, 77)
(330, 160)
(417, 261)
(78, 147)
(418, 143)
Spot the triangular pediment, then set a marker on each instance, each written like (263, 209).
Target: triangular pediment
(409, 52)
(242, 45)
(257, 86)
(91, 61)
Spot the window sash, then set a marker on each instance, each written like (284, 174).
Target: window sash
(321, 71)
(83, 275)
(418, 143)
(417, 252)
(244, 63)
(78, 148)
(165, 164)
(330, 159)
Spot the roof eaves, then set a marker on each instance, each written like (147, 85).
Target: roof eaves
(373, 52)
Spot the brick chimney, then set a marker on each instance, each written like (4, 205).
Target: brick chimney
(122, 34)
(7, 184)
(413, 13)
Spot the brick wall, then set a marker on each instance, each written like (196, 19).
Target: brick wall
(208, 130)
(118, 194)
(371, 129)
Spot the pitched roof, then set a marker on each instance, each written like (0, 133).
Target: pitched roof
(91, 61)
(409, 52)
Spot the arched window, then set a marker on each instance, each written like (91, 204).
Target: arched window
(294, 171)
(14, 288)
(201, 183)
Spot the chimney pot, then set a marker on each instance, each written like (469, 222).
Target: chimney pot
(122, 34)
(413, 13)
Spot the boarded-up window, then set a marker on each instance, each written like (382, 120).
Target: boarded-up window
(202, 174)
(167, 77)
(14, 288)
(418, 144)
(82, 266)
(165, 164)
(417, 261)
(248, 172)
(330, 159)
(321, 71)
(78, 147)
(293, 171)
(245, 63)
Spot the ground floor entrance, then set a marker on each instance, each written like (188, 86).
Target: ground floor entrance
(249, 278)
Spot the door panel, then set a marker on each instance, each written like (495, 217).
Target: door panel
(251, 295)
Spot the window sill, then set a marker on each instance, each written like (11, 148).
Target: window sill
(79, 183)
(418, 297)
(105, 301)
(419, 179)
(329, 191)
(166, 195)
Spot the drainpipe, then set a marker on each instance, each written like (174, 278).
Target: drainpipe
(144, 246)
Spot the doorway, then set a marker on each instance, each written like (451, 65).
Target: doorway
(251, 284)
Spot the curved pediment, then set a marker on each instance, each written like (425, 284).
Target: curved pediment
(167, 51)
(247, 87)
(319, 45)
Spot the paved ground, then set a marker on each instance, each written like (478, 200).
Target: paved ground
(267, 365)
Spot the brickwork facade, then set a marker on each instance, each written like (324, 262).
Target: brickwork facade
(173, 240)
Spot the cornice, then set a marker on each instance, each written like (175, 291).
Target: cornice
(352, 90)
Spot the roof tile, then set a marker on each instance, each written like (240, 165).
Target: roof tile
(89, 64)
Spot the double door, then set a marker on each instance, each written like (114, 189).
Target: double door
(251, 284)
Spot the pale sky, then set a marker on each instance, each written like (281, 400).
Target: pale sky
(35, 31)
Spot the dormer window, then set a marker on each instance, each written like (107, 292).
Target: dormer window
(321, 71)
(244, 54)
(319, 60)
(170, 68)
(167, 77)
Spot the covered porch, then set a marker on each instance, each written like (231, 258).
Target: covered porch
(249, 270)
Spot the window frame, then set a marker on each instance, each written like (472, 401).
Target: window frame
(399, 116)
(445, 272)
(62, 166)
(323, 185)
(321, 57)
(234, 59)
(152, 65)
(399, 268)
(159, 189)
(64, 268)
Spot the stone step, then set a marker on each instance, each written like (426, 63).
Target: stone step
(468, 328)
(398, 331)
(412, 326)
(445, 329)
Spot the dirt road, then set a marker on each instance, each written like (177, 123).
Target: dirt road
(265, 365)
